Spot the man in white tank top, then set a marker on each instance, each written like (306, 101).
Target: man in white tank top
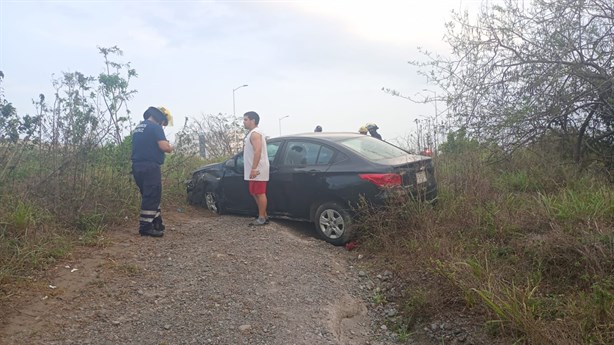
(256, 164)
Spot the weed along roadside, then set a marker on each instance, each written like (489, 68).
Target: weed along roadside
(527, 250)
(499, 259)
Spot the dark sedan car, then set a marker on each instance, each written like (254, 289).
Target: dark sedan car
(320, 178)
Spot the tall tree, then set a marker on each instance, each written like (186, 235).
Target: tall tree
(219, 135)
(12, 126)
(14, 130)
(519, 71)
(115, 90)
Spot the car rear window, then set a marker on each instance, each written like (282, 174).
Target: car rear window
(372, 149)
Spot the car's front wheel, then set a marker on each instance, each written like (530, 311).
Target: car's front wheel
(333, 223)
(212, 203)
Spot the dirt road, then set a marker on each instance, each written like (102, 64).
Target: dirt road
(210, 280)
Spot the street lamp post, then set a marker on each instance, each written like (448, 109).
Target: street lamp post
(233, 99)
(281, 118)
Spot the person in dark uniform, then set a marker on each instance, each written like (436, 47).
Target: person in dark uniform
(372, 128)
(149, 145)
(318, 129)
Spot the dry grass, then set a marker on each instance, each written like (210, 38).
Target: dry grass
(534, 257)
(46, 211)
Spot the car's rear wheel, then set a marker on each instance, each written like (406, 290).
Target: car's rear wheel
(333, 223)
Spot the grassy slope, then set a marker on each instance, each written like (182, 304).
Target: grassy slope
(528, 243)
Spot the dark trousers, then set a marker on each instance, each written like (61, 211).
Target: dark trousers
(148, 178)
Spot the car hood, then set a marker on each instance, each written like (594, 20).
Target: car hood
(212, 166)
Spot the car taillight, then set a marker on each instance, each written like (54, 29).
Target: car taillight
(382, 180)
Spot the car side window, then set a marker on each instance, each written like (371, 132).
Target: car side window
(295, 154)
(272, 149)
(306, 153)
(340, 157)
(311, 155)
(325, 156)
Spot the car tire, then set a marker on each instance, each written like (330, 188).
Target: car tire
(333, 223)
(212, 203)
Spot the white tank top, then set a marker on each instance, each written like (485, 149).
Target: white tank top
(248, 158)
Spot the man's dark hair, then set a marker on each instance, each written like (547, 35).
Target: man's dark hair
(252, 115)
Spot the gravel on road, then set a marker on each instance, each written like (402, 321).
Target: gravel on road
(216, 280)
(209, 280)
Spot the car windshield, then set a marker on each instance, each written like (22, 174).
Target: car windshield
(372, 149)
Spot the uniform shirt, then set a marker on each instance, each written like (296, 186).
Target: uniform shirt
(248, 158)
(145, 139)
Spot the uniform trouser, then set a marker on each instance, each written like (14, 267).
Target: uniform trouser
(149, 180)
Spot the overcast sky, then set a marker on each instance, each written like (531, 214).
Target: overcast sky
(320, 62)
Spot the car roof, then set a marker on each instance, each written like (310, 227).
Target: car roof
(331, 136)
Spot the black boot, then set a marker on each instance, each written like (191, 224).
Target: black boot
(157, 224)
(152, 233)
(149, 230)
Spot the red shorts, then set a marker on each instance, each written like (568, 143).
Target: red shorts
(257, 187)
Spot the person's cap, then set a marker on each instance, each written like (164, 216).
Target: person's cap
(372, 126)
(160, 114)
(318, 128)
(363, 130)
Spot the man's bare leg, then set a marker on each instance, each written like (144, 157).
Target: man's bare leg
(261, 201)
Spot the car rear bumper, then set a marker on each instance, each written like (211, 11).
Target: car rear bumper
(422, 193)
